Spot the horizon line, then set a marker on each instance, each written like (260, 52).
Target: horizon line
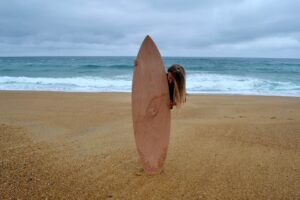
(24, 56)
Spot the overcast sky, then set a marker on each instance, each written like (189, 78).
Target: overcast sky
(235, 28)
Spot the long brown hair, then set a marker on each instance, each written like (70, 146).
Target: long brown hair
(178, 74)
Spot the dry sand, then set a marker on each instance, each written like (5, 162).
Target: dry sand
(81, 146)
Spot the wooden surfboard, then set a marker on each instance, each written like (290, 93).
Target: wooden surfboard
(150, 108)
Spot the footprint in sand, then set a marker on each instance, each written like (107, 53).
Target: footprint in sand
(273, 117)
(228, 117)
(140, 172)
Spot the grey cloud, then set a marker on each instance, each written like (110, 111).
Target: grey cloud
(194, 28)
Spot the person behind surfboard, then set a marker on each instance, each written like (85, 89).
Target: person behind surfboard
(176, 82)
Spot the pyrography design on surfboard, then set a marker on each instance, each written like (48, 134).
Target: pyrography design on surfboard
(150, 108)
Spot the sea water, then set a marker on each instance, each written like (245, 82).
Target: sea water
(233, 76)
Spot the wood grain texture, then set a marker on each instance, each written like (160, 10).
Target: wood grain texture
(150, 111)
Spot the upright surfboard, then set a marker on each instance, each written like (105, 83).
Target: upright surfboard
(150, 108)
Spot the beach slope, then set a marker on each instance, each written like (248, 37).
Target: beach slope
(81, 146)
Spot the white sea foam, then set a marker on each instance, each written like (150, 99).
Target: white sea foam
(229, 84)
(75, 84)
(196, 83)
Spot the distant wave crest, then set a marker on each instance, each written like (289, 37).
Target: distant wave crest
(105, 66)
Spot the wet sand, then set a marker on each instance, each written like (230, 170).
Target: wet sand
(81, 146)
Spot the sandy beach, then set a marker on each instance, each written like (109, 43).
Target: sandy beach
(81, 146)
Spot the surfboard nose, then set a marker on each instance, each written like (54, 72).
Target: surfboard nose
(148, 39)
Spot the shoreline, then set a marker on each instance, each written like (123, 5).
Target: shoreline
(122, 92)
(60, 145)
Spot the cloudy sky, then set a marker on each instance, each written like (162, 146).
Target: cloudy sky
(235, 28)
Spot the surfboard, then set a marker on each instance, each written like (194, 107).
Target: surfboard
(150, 108)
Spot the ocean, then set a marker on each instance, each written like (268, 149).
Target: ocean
(230, 76)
